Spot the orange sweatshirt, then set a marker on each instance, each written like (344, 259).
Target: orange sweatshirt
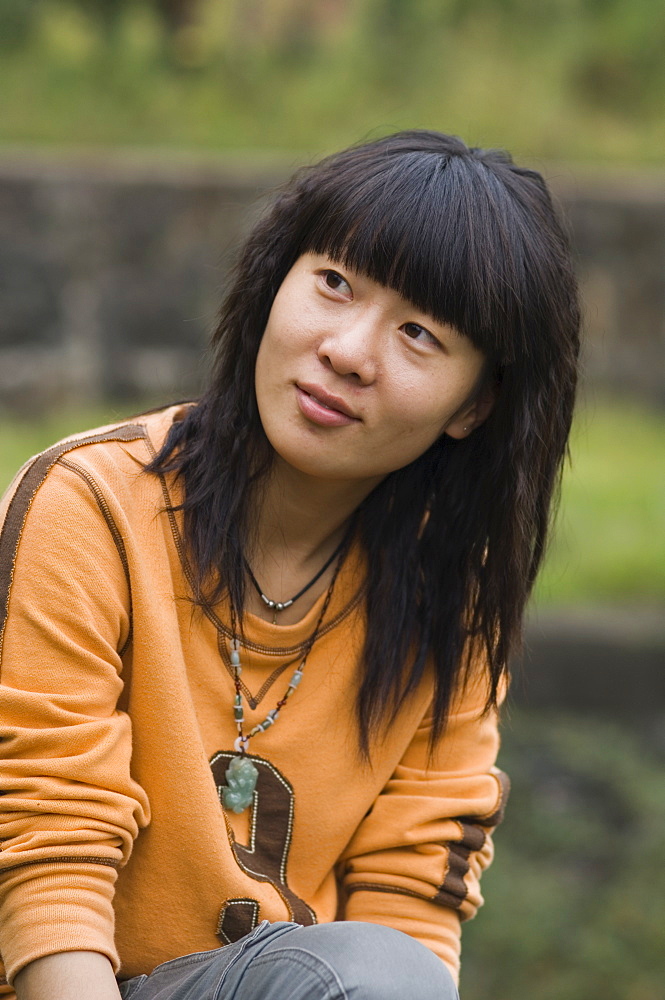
(117, 727)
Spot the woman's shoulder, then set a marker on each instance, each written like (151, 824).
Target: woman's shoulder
(109, 457)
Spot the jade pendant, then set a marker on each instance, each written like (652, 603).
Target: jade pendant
(241, 778)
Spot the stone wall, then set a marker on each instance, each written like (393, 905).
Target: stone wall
(600, 661)
(111, 274)
(112, 268)
(618, 229)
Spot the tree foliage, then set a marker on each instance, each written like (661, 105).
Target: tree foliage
(576, 896)
(556, 77)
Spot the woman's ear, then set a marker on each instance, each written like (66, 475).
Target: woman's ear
(473, 414)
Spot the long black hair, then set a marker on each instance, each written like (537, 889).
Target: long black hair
(455, 539)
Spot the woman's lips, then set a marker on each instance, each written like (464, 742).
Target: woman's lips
(322, 408)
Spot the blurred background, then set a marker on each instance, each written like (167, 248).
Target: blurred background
(137, 141)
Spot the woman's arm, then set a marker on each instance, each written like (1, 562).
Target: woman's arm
(71, 808)
(416, 859)
(69, 975)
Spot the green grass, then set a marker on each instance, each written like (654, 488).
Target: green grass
(610, 541)
(20, 438)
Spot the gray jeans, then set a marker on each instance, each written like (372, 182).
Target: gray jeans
(346, 960)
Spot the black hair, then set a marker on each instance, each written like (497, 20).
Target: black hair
(455, 539)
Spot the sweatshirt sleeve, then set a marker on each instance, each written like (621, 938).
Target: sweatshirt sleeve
(69, 808)
(416, 859)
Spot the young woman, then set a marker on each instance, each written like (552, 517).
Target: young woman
(252, 648)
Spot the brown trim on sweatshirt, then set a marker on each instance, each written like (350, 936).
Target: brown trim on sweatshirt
(271, 829)
(24, 495)
(395, 890)
(237, 918)
(504, 791)
(454, 890)
(84, 859)
(115, 534)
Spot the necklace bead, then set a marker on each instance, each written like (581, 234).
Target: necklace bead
(241, 777)
(241, 774)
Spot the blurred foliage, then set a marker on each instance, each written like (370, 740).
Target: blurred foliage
(576, 896)
(609, 545)
(581, 79)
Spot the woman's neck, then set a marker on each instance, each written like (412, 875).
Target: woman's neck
(298, 525)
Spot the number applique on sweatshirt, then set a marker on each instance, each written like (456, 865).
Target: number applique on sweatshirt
(265, 857)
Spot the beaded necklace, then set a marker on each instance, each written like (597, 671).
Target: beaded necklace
(241, 774)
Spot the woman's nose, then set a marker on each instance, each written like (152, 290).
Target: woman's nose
(351, 349)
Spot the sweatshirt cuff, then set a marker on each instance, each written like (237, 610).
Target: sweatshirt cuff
(48, 908)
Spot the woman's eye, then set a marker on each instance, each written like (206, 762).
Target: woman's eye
(417, 332)
(335, 281)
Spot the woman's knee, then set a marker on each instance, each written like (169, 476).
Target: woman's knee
(373, 962)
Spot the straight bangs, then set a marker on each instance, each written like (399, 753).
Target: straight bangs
(441, 230)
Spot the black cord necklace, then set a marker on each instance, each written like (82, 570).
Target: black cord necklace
(277, 606)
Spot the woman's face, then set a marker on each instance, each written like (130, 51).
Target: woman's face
(353, 382)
